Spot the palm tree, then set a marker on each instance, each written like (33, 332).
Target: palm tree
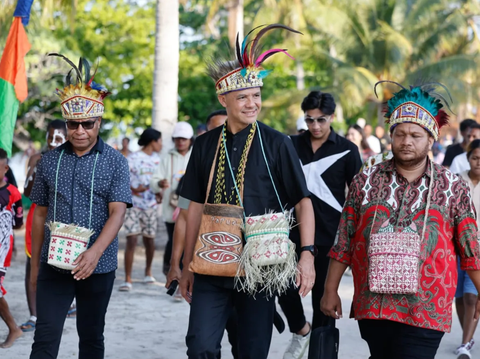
(165, 76)
(235, 17)
(400, 40)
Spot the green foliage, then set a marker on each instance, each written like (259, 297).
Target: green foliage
(345, 49)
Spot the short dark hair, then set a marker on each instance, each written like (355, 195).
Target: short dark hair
(472, 147)
(466, 124)
(321, 100)
(126, 138)
(57, 125)
(3, 154)
(474, 126)
(216, 113)
(149, 135)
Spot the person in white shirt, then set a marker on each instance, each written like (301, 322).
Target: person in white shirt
(165, 179)
(373, 142)
(460, 163)
(466, 295)
(141, 219)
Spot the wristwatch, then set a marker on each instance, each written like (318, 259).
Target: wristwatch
(312, 249)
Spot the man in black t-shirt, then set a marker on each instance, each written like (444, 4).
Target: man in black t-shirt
(263, 164)
(458, 148)
(329, 162)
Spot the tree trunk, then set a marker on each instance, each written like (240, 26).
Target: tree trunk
(235, 21)
(165, 76)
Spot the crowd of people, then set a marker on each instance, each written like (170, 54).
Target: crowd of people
(254, 216)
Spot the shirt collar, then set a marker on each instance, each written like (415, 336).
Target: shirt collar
(242, 133)
(389, 166)
(67, 146)
(332, 137)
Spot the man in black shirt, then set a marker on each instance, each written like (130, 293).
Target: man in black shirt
(214, 297)
(458, 148)
(329, 162)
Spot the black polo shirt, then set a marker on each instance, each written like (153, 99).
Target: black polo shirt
(259, 195)
(328, 172)
(452, 152)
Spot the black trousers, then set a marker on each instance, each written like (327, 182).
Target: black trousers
(167, 256)
(55, 292)
(392, 340)
(291, 303)
(213, 300)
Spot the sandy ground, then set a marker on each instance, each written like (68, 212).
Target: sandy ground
(147, 324)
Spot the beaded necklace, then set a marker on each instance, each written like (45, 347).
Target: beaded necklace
(220, 186)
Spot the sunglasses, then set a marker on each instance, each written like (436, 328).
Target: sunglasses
(319, 120)
(87, 125)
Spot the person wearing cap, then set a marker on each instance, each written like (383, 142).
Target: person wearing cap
(141, 219)
(82, 186)
(404, 222)
(166, 177)
(301, 125)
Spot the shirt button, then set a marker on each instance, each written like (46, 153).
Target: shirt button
(234, 148)
(234, 168)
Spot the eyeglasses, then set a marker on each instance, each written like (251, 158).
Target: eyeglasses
(320, 120)
(87, 125)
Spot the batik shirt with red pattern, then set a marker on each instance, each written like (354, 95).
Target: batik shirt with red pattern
(11, 215)
(451, 230)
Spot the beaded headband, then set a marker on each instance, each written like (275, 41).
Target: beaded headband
(247, 71)
(81, 97)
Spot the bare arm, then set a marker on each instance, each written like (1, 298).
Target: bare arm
(306, 267)
(179, 238)
(331, 303)
(88, 260)
(194, 219)
(32, 164)
(178, 245)
(38, 236)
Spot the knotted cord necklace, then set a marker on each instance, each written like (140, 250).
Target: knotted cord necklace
(220, 186)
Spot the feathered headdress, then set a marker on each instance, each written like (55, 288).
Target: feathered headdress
(420, 104)
(247, 70)
(81, 97)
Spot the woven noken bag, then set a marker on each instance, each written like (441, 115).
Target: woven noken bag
(220, 241)
(394, 257)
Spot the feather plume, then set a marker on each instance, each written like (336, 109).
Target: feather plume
(262, 32)
(386, 81)
(239, 54)
(442, 118)
(270, 53)
(79, 75)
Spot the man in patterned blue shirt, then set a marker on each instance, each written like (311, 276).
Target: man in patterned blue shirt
(83, 182)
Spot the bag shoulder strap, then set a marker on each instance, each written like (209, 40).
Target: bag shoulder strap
(429, 197)
(239, 193)
(212, 170)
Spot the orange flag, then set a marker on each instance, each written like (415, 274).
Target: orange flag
(12, 64)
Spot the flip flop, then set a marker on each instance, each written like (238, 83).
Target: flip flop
(149, 279)
(125, 287)
(29, 323)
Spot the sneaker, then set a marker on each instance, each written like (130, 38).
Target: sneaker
(468, 346)
(464, 353)
(298, 346)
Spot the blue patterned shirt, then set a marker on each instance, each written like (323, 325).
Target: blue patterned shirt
(111, 184)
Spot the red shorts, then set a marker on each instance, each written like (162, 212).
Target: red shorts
(3, 271)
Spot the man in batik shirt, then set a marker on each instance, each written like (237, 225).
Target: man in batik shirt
(403, 302)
